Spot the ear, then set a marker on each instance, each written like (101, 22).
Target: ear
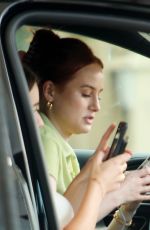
(48, 90)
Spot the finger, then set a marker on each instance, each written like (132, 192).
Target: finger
(128, 151)
(144, 197)
(107, 149)
(122, 158)
(145, 190)
(124, 167)
(122, 177)
(144, 172)
(105, 137)
(146, 180)
(100, 156)
(106, 157)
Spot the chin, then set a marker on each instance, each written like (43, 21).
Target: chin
(83, 130)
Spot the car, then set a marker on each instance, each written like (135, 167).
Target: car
(119, 32)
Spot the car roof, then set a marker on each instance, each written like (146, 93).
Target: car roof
(133, 2)
(125, 2)
(131, 39)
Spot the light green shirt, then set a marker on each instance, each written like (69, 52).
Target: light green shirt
(61, 160)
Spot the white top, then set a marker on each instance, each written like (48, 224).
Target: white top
(64, 210)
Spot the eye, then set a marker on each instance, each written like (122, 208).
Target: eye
(86, 94)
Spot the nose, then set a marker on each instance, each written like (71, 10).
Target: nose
(95, 104)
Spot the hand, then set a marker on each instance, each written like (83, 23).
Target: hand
(109, 174)
(103, 142)
(134, 187)
(95, 168)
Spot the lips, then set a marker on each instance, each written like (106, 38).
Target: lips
(89, 119)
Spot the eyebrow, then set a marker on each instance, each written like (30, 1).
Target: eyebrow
(91, 87)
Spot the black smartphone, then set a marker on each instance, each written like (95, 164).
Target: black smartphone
(120, 141)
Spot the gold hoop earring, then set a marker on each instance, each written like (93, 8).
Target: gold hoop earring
(49, 105)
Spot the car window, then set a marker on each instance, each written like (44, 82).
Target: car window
(126, 92)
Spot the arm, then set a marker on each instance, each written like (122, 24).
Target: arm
(98, 185)
(100, 182)
(86, 217)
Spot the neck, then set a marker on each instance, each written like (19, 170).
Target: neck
(58, 126)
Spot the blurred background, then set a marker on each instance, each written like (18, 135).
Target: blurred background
(126, 95)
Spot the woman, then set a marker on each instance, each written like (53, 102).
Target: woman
(63, 208)
(71, 81)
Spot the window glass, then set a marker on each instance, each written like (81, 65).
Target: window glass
(126, 95)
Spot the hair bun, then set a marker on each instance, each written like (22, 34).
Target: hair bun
(44, 40)
(45, 36)
(43, 43)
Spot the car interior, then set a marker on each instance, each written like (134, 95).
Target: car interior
(121, 38)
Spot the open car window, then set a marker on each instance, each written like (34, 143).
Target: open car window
(126, 90)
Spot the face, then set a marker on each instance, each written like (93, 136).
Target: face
(75, 107)
(34, 97)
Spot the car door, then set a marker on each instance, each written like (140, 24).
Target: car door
(123, 25)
